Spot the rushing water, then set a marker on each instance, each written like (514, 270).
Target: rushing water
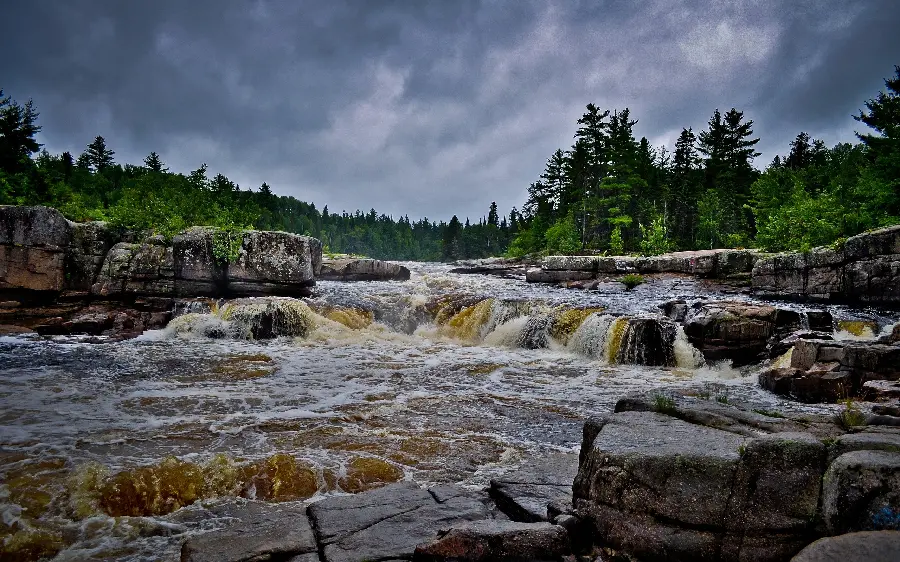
(444, 378)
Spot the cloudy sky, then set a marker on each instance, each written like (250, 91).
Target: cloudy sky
(429, 108)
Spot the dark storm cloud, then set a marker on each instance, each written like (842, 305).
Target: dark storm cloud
(429, 107)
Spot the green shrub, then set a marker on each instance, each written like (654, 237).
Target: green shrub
(616, 245)
(632, 280)
(851, 416)
(227, 244)
(562, 237)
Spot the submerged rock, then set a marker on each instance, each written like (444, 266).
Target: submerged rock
(525, 494)
(252, 318)
(496, 541)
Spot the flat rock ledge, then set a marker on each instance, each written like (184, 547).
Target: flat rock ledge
(397, 522)
(721, 264)
(678, 478)
(362, 270)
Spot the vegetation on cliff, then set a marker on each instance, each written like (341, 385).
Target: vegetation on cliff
(609, 192)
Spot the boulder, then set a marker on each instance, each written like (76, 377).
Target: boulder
(826, 370)
(702, 263)
(389, 522)
(662, 488)
(537, 275)
(861, 492)
(525, 494)
(33, 245)
(362, 270)
(737, 331)
(866, 546)
(496, 541)
(268, 263)
(258, 531)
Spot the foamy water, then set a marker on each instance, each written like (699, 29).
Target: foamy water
(383, 388)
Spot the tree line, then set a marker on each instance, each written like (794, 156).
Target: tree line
(613, 193)
(608, 192)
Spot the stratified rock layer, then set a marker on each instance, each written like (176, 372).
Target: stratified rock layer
(864, 269)
(362, 270)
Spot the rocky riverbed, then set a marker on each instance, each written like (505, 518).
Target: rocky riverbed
(433, 413)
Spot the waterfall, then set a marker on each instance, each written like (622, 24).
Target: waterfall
(634, 341)
(246, 319)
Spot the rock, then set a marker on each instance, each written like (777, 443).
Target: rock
(362, 270)
(258, 532)
(250, 318)
(536, 275)
(866, 440)
(388, 522)
(269, 263)
(861, 492)
(33, 244)
(524, 495)
(495, 541)
(737, 331)
(823, 371)
(866, 269)
(86, 252)
(703, 263)
(871, 546)
(658, 487)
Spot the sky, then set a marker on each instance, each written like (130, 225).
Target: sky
(429, 108)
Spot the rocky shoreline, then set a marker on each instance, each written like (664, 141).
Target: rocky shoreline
(666, 477)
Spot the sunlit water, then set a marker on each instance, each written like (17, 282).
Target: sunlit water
(100, 442)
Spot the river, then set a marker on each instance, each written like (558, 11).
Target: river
(104, 447)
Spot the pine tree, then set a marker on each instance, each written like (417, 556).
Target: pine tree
(493, 218)
(98, 157)
(622, 181)
(18, 127)
(154, 163)
(554, 177)
(800, 155)
(684, 187)
(883, 115)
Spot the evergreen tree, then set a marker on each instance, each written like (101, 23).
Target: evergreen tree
(622, 180)
(554, 178)
(883, 115)
(684, 186)
(154, 163)
(97, 156)
(493, 219)
(801, 153)
(18, 127)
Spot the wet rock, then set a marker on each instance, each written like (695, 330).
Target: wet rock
(870, 546)
(524, 494)
(494, 541)
(737, 331)
(823, 371)
(866, 269)
(780, 347)
(388, 522)
(362, 270)
(861, 491)
(866, 440)
(257, 532)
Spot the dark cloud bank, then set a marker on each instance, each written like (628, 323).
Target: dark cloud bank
(429, 108)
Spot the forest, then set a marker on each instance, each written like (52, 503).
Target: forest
(608, 193)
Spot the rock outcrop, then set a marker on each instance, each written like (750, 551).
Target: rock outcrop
(826, 370)
(268, 263)
(362, 270)
(685, 479)
(866, 546)
(740, 331)
(33, 246)
(720, 264)
(42, 253)
(866, 268)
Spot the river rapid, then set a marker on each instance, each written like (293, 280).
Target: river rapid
(117, 451)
